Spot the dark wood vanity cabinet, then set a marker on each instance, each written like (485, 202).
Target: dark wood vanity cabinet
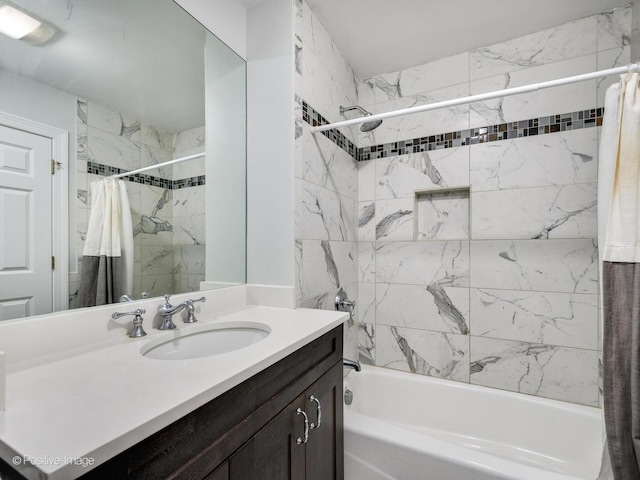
(251, 431)
(279, 450)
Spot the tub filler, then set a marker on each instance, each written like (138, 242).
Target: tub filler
(412, 427)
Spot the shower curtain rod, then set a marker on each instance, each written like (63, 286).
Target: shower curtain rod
(163, 164)
(480, 97)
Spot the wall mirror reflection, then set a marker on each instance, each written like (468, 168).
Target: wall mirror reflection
(104, 88)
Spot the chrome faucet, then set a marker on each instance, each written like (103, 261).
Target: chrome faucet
(191, 318)
(341, 301)
(128, 298)
(351, 364)
(167, 311)
(137, 330)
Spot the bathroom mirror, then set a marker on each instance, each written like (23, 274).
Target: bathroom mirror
(132, 82)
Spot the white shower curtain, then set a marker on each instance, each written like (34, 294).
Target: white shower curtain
(619, 210)
(107, 262)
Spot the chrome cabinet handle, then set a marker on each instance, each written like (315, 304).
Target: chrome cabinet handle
(300, 440)
(318, 412)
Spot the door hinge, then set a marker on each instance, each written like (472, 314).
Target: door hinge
(54, 164)
(53, 263)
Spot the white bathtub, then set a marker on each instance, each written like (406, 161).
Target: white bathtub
(411, 427)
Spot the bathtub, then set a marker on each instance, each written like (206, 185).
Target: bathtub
(411, 427)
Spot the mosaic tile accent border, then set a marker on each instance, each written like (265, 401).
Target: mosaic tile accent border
(107, 170)
(492, 133)
(313, 118)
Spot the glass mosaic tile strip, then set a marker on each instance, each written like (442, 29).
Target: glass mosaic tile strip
(107, 170)
(492, 133)
(313, 118)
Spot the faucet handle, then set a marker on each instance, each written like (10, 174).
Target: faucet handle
(137, 330)
(166, 312)
(191, 317)
(341, 301)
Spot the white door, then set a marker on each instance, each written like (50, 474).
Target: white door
(25, 224)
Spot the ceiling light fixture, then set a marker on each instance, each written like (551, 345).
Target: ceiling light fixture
(20, 25)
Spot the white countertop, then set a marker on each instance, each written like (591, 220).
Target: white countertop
(90, 406)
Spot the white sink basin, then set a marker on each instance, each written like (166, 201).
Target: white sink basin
(206, 340)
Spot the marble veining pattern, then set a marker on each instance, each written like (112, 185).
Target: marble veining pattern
(422, 124)
(326, 215)
(442, 215)
(112, 122)
(614, 28)
(394, 219)
(566, 98)
(564, 211)
(569, 266)
(366, 221)
(436, 354)
(327, 165)
(430, 307)
(326, 225)
(616, 57)
(366, 306)
(444, 263)
(516, 304)
(366, 262)
(549, 318)
(561, 159)
(569, 40)
(554, 372)
(325, 266)
(366, 343)
(401, 176)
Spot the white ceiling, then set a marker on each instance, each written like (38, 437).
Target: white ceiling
(144, 58)
(381, 36)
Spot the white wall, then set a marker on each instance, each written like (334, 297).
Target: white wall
(227, 19)
(270, 67)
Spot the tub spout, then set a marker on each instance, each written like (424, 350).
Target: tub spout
(351, 364)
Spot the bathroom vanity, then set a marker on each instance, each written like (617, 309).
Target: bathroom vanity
(272, 409)
(255, 430)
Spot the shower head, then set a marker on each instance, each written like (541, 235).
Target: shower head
(367, 126)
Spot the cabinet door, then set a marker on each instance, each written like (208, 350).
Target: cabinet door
(325, 448)
(220, 473)
(273, 453)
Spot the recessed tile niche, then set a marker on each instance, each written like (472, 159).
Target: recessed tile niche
(442, 214)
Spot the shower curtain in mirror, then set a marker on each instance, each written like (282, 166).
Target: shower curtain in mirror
(107, 261)
(619, 211)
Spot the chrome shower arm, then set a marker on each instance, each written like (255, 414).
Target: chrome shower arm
(354, 107)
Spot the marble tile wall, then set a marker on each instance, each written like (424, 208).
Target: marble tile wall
(189, 214)
(168, 243)
(326, 176)
(514, 305)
